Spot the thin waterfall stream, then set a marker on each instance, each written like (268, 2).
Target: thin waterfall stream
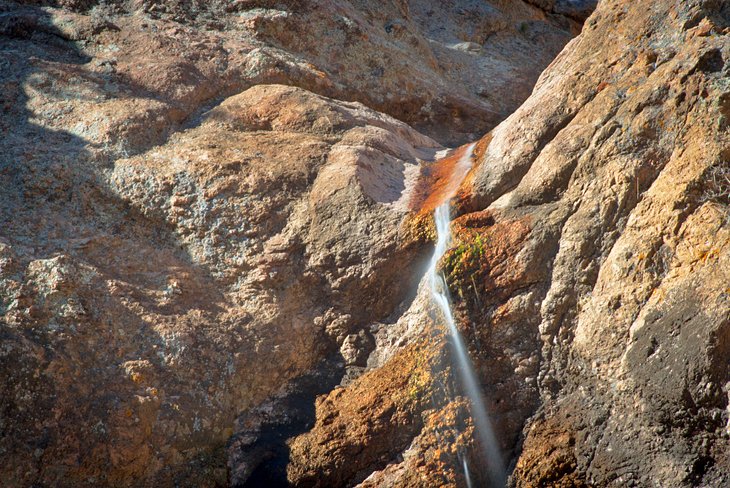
(467, 375)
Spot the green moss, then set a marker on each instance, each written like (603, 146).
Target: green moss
(463, 263)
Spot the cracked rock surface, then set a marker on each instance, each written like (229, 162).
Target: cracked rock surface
(590, 269)
(204, 215)
(212, 231)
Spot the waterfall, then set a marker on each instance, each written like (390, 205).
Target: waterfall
(467, 375)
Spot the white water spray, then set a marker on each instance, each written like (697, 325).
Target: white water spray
(440, 293)
(467, 474)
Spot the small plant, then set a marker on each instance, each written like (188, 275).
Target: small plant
(463, 262)
(717, 186)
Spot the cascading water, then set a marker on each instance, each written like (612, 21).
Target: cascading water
(440, 294)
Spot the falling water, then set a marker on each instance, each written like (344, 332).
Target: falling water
(467, 474)
(440, 293)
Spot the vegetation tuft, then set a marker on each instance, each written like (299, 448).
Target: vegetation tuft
(463, 263)
(717, 186)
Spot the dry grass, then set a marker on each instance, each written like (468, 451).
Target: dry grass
(717, 186)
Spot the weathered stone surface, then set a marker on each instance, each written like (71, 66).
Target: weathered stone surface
(207, 220)
(610, 160)
(451, 71)
(185, 285)
(181, 237)
(590, 262)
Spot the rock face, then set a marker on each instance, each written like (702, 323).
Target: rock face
(214, 216)
(204, 220)
(612, 164)
(452, 71)
(590, 270)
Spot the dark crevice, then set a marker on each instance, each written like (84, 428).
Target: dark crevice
(258, 453)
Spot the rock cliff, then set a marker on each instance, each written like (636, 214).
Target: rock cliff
(214, 217)
(590, 270)
(613, 164)
(203, 210)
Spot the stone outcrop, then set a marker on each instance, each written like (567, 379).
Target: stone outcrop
(213, 224)
(204, 217)
(452, 71)
(187, 284)
(590, 269)
(613, 162)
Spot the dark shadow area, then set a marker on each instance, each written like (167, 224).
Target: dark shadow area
(258, 452)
